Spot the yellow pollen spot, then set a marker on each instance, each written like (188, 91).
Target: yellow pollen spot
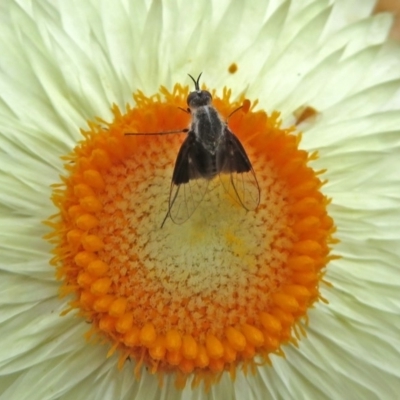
(226, 287)
(74, 237)
(157, 351)
(148, 335)
(94, 179)
(83, 258)
(236, 339)
(229, 353)
(118, 307)
(91, 204)
(101, 286)
(189, 347)
(86, 222)
(102, 303)
(233, 68)
(271, 324)
(174, 357)
(303, 113)
(214, 347)
(253, 335)
(202, 359)
(132, 337)
(173, 341)
(97, 267)
(124, 323)
(85, 279)
(92, 243)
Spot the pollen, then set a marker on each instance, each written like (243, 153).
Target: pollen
(233, 68)
(215, 293)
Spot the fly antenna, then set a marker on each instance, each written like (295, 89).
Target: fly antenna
(196, 83)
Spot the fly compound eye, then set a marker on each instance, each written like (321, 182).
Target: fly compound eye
(208, 96)
(191, 97)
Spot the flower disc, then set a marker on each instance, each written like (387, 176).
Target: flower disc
(212, 293)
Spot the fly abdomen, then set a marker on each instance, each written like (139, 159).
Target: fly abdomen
(203, 160)
(213, 168)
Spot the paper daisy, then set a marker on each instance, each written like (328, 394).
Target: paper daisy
(232, 287)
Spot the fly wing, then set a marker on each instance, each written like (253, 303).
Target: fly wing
(240, 181)
(189, 180)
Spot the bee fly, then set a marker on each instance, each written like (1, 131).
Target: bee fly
(210, 149)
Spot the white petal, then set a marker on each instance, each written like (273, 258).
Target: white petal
(23, 241)
(51, 378)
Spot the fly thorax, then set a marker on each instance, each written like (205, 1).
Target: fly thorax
(207, 127)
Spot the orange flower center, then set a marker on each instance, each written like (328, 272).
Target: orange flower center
(207, 295)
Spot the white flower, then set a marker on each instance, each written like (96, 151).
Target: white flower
(63, 64)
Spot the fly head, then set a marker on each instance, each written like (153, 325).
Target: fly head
(199, 97)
